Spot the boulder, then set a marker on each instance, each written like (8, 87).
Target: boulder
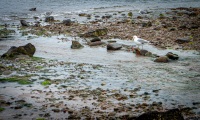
(114, 46)
(172, 56)
(27, 49)
(67, 22)
(174, 114)
(96, 43)
(76, 45)
(183, 40)
(24, 23)
(162, 59)
(95, 33)
(49, 19)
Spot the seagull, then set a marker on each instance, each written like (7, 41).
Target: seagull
(139, 41)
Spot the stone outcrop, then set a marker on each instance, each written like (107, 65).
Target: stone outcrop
(14, 51)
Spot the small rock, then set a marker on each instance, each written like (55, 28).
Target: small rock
(182, 40)
(84, 15)
(49, 19)
(162, 59)
(114, 46)
(106, 16)
(32, 9)
(130, 14)
(56, 110)
(24, 23)
(76, 45)
(67, 22)
(172, 56)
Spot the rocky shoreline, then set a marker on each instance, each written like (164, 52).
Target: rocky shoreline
(41, 89)
(177, 28)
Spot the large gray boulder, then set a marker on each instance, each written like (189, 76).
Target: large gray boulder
(14, 51)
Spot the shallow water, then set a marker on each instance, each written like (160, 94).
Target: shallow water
(177, 82)
(11, 10)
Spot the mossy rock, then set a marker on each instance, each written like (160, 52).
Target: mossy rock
(28, 49)
(130, 14)
(76, 45)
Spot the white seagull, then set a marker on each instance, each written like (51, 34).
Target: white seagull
(139, 41)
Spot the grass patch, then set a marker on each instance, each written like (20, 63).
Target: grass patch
(2, 109)
(20, 80)
(46, 82)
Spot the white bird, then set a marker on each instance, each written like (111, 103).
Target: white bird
(139, 41)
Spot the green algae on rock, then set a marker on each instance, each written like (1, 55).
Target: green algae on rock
(20, 80)
(46, 82)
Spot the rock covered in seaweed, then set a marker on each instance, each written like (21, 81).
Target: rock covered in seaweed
(174, 114)
(76, 45)
(14, 51)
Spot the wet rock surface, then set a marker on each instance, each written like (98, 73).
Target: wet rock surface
(27, 49)
(24, 23)
(76, 45)
(114, 46)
